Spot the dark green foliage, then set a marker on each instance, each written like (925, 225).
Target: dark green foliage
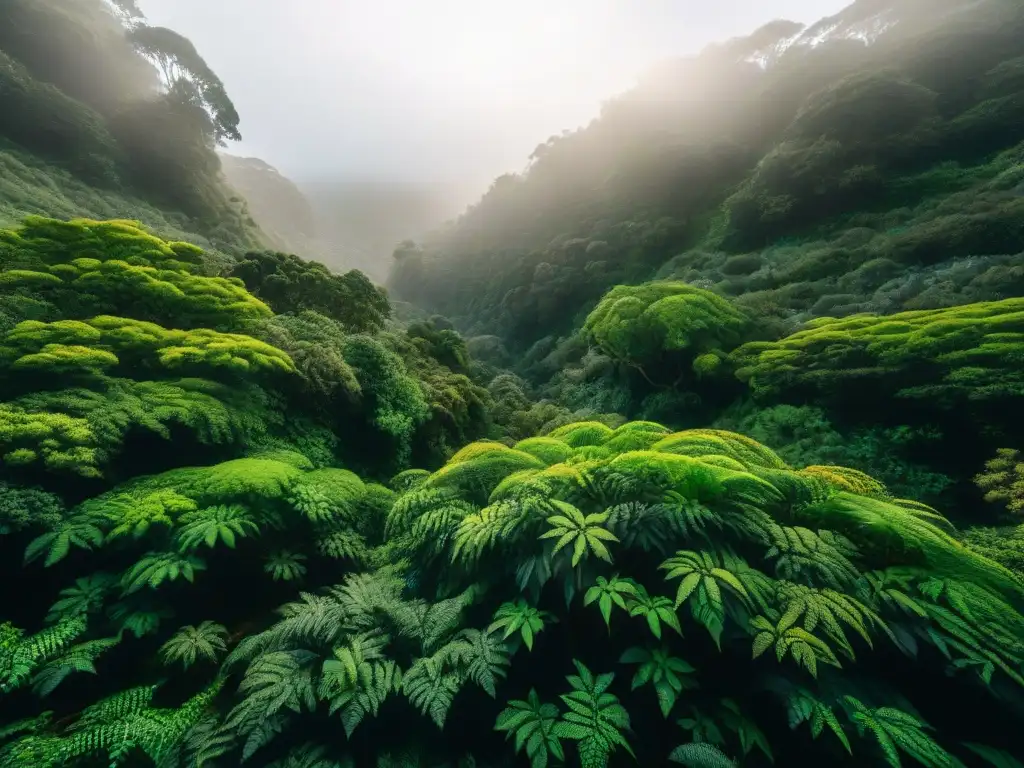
(834, 153)
(804, 436)
(290, 285)
(39, 117)
(395, 403)
(22, 508)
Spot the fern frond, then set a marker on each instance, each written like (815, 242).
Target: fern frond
(595, 718)
(83, 598)
(431, 689)
(895, 731)
(806, 649)
(815, 558)
(274, 681)
(803, 707)
(78, 658)
(221, 523)
(157, 567)
(56, 544)
(191, 643)
(829, 609)
(701, 755)
(284, 565)
(532, 723)
(477, 656)
(703, 578)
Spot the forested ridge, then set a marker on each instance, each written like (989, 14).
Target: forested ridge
(697, 443)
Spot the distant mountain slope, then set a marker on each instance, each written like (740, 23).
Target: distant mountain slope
(280, 209)
(872, 160)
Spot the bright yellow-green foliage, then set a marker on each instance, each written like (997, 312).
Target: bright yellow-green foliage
(638, 324)
(550, 450)
(585, 433)
(93, 365)
(84, 268)
(1003, 480)
(198, 504)
(716, 442)
(59, 441)
(48, 241)
(713, 468)
(970, 352)
(819, 564)
(80, 430)
(103, 343)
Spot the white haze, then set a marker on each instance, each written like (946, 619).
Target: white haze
(444, 93)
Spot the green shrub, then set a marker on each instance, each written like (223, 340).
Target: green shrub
(948, 356)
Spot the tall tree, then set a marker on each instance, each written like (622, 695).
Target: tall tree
(187, 77)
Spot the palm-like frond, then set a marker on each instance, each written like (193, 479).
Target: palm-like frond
(83, 598)
(610, 592)
(667, 674)
(158, 567)
(520, 617)
(703, 579)
(586, 533)
(56, 544)
(191, 643)
(221, 523)
(896, 731)
(806, 649)
(656, 609)
(532, 723)
(285, 565)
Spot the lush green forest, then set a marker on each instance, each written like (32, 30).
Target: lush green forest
(697, 443)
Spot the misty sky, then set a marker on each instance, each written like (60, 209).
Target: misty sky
(438, 91)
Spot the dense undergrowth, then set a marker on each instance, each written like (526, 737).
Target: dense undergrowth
(209, 585)
(722, 470)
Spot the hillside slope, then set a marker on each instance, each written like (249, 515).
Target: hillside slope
(851, 165)
(277, 205)
(105, 116)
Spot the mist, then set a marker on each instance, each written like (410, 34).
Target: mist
(447, 94)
